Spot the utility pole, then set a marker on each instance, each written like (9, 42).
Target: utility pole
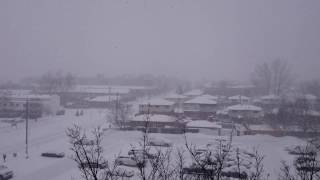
(117, 106)
(109, 94)
(27, 121)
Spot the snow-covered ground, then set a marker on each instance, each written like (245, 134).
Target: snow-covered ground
(48, 134)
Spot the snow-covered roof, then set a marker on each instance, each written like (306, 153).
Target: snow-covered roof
(104, 89)
(313, 113)
(260, 127)
(239, 97)
(310, 97)
(29, 96)
(203, 124)
(208, 96)
(155, 118)
(159, 101)
(175, 96)
(201, 100)
(242, 86)
(15, 92)
(244, 107)
(222, 112)
(195, 92)
(103, 98)
(270, 97)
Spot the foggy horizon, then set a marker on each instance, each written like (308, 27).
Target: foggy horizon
(160, 89)
(182, 38)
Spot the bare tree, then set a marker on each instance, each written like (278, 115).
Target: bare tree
(88, 155)
(272, 78)
(56, 82)
(119, 114)
(285, 172)
(311, 87)
(220, 160)
(306, 166)
(258, 167)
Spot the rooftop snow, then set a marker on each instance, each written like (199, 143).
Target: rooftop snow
(158, 102)
(310, 97)
(100, 89)
(203, 124)
(244, 107)
(208, 96)
(201, 100)
(15, 92)
(270, 97)
(244, 86)
(175, 96)
(260, 127)
(155, 118)
(195, 92)
(103, 98)
(314, 113)
(239, 97)
(30, 96)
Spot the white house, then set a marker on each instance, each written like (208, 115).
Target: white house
(176, 98)
(203, 124)
(156, 106)
(200, 107)
(194, 93)
(270, 99)
(239, 99)
(244, 111)
(15, 104)
(201, 104)
(208, 96)
(205, 127)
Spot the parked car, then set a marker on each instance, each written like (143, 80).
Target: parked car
(94, 165)
(53, 154)
(5, 173)
(61, 112)
(159, 142)
(127, 161)
(86, 142)
(140, 153)
(201, 151)
(121, 172)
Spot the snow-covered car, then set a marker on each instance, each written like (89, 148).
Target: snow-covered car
(201, 151)
(94, 165)
(61, 112)
(127, 161)
(53, 154)
(86, 142)
(5, 173)
(140, 153)
(121, 172)
(159, 142)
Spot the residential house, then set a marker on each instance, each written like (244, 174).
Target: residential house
(156, 106)
(244, 111)
(238, 99)
(200, 107)
(36, 105)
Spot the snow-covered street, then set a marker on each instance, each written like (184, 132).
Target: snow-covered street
(48, 134)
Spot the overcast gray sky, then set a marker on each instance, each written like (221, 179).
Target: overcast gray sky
(187, 38)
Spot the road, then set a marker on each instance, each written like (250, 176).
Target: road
(47, 134)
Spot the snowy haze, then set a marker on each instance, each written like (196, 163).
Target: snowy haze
(184, 38)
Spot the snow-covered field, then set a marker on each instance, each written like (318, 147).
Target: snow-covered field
(48, 134)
